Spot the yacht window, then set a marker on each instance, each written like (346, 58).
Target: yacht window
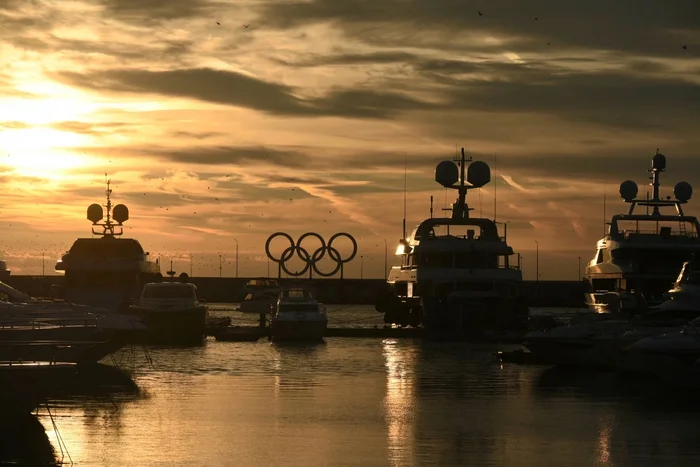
(599, 258)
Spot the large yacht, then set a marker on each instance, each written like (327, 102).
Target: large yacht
(638, 260)
(106, 270)
(456, 275)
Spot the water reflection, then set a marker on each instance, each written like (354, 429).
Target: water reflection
(638, 421)
(400, 403)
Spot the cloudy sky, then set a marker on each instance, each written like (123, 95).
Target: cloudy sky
(213, 132)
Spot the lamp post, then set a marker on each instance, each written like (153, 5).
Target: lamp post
(361, 266)
(579, 269)
(43, 273)
(268, 268)
(236, 257)
(386, 271)
(190, 264)
(537, 260)
(220, 274)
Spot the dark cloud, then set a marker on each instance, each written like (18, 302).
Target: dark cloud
(231, 155)
(225, 87)
(155, 9)
(193, 135)
(350, 59)
(652, 28)
(609, 98)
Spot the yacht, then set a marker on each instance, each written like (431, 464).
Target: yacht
(261, 296)
(298, 316)
(106, 270)
(639, 257)
(172, 313)
(456, 276)
(57, 319)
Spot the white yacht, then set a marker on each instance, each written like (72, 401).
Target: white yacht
(641, 254)
(298, 316)
(456, 275)
(261, 296)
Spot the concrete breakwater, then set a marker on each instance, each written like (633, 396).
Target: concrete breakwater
(567, 294)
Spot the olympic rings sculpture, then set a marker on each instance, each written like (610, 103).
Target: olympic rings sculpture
(311, 260)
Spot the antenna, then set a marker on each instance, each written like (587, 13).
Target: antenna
(605, 219)
(495, 185)
(404, 195)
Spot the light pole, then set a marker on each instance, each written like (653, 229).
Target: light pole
(236, 257)
(43, 273)
(386, 271)
(361, 266)
(537, 261)
(190, 264)
(220, 274)
(579, 269)
(268, 268)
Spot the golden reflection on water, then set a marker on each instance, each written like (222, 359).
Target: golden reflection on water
(400, 401)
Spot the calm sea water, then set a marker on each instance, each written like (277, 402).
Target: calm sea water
(368, 402)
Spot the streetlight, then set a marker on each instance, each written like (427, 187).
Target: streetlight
(537, 260)
(236, 257)
(361, 266)
(191, 265)
(220, 267)
(579, 269)
(386, 271)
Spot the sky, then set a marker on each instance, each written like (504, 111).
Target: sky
(308, 119)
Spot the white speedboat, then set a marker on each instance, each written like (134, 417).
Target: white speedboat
(172, 313)
(261, 295)
(298, 316)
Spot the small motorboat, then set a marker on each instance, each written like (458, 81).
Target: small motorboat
(298, 316)
(261, 295)
(172, 313)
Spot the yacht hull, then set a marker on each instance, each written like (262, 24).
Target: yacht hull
(177, 326)
(25, 386)
(297, 330)
(257, 306)
(58, 351)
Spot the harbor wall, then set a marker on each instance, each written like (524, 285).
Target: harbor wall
(567, 294)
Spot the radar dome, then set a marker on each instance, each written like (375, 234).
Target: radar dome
(94, 213)
(658, 162)
(682, 191)
(446, 173)
(120, 213)
(628, 190)
(478, 174)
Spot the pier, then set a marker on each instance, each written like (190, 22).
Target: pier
(562, 294)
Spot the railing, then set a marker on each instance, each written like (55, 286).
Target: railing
(43, 323)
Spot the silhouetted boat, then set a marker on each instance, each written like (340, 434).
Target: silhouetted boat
(456, 276)
(172, 313)
(107, 271)
(82, 352)
(298, 316)
(640, 256)
(25, 385)
(261, 296)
